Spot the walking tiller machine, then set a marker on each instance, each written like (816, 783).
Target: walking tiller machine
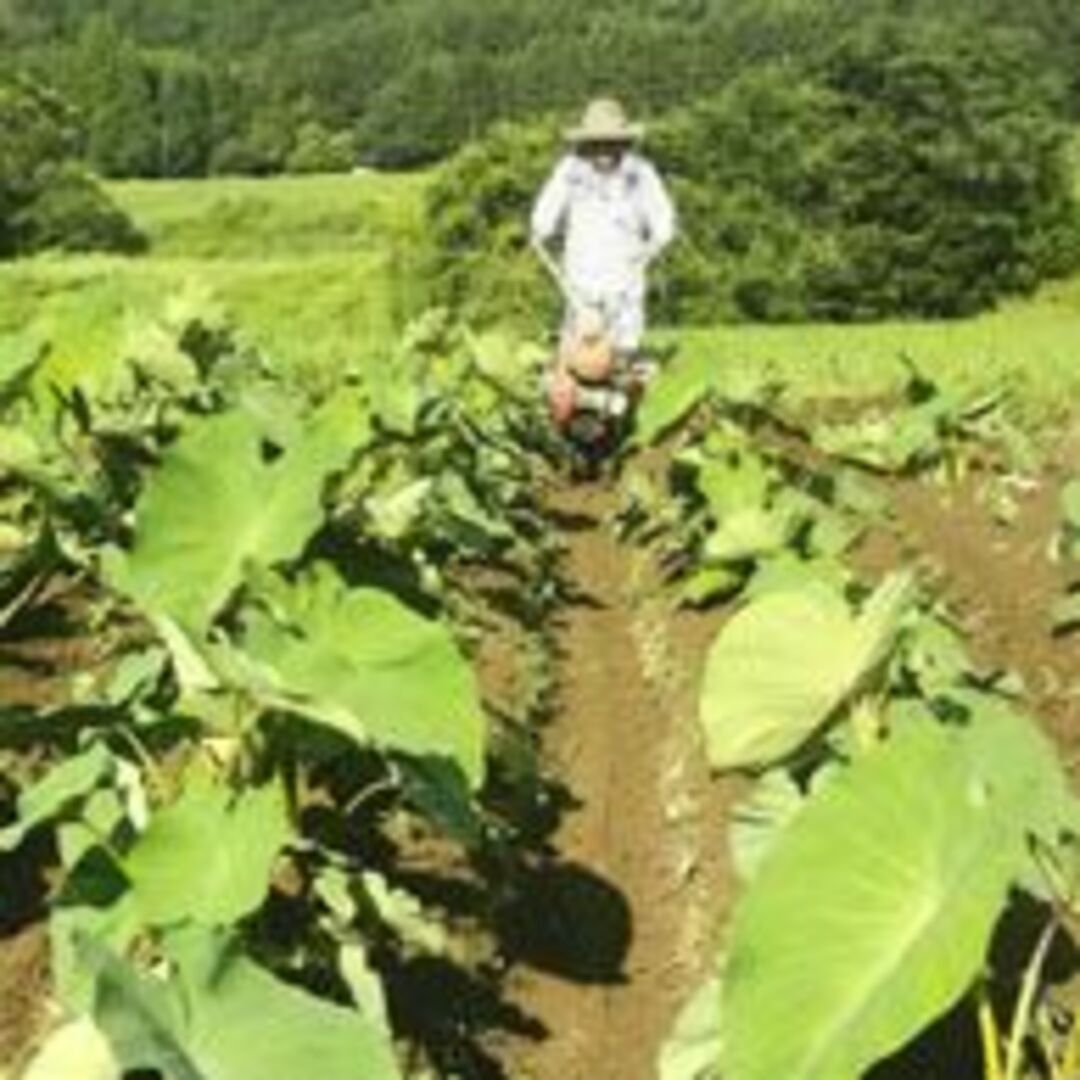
(592, 388)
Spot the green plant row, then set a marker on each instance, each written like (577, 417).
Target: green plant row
(281, 691)
(903, 807)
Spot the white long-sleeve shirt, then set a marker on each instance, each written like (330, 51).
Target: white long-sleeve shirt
(613, 223)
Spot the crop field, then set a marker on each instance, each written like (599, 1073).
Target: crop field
(328, 703)
(316, 271)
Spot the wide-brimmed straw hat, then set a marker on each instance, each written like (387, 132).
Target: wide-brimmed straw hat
(605, 120)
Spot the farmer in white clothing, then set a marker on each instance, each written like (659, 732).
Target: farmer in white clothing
(610, 205)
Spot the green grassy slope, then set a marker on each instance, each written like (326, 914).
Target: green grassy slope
(314, 270)
(320, 270)
(1031, 348)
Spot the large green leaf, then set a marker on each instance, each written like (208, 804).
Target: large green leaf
(216, 504)
(872, 914)
(225, 1018)
(208, 856)
(673, 396)
(363, 662)
(786, 663)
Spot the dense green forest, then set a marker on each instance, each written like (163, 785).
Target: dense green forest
(188, 87)
(910, 158)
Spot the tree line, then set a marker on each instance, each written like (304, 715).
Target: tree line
(187, 88)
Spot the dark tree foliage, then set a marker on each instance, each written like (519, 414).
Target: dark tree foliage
(914, 170)
(46, 200)
(478, 213)
(409, 81)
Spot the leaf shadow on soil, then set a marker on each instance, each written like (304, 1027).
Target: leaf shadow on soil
(566, 920)
(532, 907)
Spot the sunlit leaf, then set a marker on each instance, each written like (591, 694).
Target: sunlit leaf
(363, 662)
(786, 663)
(872, 914)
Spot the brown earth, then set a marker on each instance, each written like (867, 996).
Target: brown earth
(40, 655)
(633, 914)
(24, 982)
(998, 579)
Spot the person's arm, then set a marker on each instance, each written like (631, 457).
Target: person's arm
(661, 220)
(549, 211)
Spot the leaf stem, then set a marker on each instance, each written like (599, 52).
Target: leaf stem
(1028, 988)
(991, 1038)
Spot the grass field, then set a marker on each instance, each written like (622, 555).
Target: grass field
(1031, 348)
(314, 271)
(320, 270)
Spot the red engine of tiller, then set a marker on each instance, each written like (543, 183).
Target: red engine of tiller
(590, 377)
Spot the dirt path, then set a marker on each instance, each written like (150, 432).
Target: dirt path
(646, 840)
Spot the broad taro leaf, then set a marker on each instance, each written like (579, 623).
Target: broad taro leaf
(208, 856)
(363, 662)
(692, 1050)
(673, 396)
(786, 663)
(872, 914)
(222, 1017)
(216, 504)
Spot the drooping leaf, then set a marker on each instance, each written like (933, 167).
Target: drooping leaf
(692, 1051)
(216, 504)
(222, 1017)
(364, 663)
(872, 914)
(786, 663)
(142, 1018)
(67, 785)
(733, 485)
(672, 397)
(208, 856)
(710, 585)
